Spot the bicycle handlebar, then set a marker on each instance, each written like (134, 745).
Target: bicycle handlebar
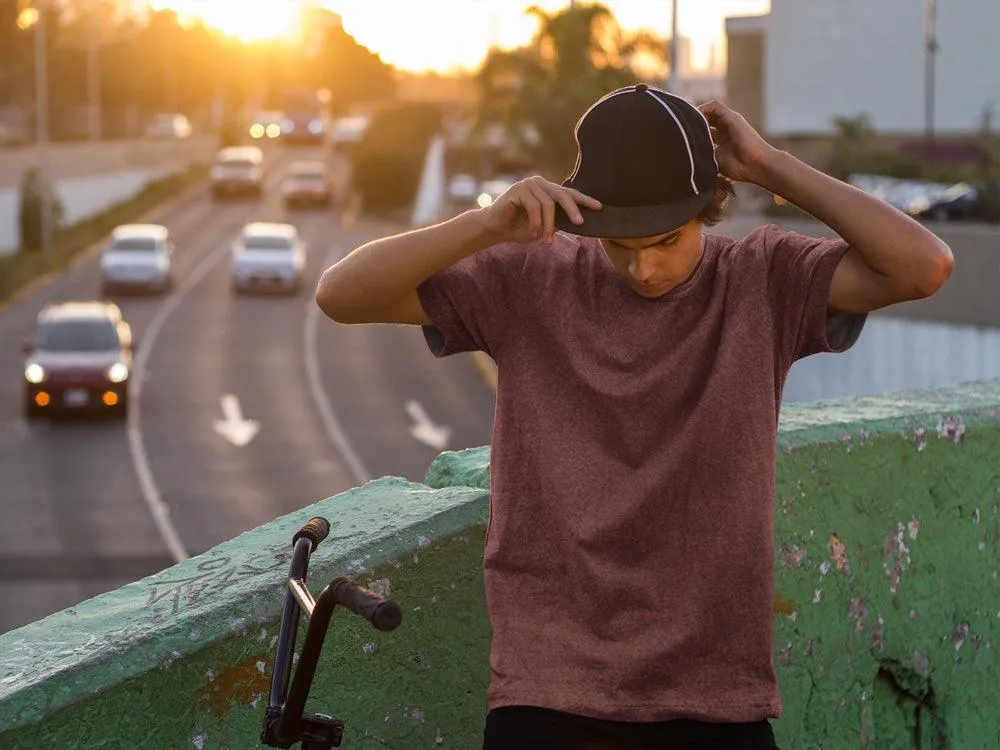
(315, 530)
(284, 723)
(380, 612)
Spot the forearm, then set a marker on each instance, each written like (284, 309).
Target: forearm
(382, 272)
(889, 241)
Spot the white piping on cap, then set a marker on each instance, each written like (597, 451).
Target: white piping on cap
(576, 130)
(687, 143)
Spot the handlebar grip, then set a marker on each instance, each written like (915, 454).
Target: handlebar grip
(315, 530)
(379, 611)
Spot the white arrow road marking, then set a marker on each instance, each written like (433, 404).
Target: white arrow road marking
(424, 429)
(233, 427)
(334, 429)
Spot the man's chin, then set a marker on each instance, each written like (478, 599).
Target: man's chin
(650, 292)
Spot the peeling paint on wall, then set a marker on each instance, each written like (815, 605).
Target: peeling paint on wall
(839, 554)
(896, 556)
(239, 683)
(952, 428)
(858, 613)
(792, 557)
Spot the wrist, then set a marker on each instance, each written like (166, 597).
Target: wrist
(771, 169)
(476, 231)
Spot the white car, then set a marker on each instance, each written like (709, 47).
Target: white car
(268, 256)
(137, 257)
(238, 170)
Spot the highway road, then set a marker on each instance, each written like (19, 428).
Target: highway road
(91, 505)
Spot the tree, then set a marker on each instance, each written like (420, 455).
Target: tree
(536, 94)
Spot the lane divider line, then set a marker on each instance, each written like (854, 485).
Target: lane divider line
(334, 429)
(159, 510)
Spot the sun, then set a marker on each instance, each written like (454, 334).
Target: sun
(245, 20)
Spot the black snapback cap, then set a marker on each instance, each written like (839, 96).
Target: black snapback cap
(648, 156)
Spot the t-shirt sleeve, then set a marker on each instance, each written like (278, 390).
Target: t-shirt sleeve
(472, 304)
(800, 272)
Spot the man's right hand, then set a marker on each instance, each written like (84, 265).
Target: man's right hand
(527, 210)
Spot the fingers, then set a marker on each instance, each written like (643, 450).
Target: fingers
(538, 198)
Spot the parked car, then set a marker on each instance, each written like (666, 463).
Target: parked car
(169, 125)
(307, 184)
(137, 257)
(238, 170)
(463, 189)
(923, 199)
(79, 359)
(268, 256)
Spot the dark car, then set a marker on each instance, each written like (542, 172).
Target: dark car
(307, 184)
(79, 360)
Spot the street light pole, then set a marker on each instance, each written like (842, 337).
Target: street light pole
(42, 130)
(94, 79)
(672, 80)
(930, 50)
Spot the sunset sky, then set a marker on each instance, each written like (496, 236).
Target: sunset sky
(442, 35)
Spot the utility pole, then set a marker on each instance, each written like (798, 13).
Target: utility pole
(94, 76)
(672, 80)
(42, 129)
(930, 51)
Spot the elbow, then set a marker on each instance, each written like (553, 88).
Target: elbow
(328, 300)
(936, 271)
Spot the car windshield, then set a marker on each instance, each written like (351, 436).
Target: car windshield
(77, 336)
(308, 177)
(238, 163)
(135, 244)
(267, 243)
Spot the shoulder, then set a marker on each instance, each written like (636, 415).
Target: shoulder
(770, 242)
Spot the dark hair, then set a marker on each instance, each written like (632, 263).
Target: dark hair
(712, 213)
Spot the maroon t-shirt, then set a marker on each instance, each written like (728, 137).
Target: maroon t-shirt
(629, 553)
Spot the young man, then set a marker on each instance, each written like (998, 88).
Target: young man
(641, 359)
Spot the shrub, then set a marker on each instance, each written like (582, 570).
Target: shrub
(33, 191)
(389, 158)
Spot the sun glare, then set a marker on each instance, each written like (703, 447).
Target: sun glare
(242, 19)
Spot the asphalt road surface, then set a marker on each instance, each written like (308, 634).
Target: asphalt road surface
(90, 505)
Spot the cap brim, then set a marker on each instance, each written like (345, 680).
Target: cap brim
(634, 221)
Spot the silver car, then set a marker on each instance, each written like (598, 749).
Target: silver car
(137, 257)
(268, 256)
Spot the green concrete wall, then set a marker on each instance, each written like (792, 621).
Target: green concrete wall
(887, 610)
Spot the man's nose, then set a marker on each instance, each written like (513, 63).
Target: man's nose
(642, 266)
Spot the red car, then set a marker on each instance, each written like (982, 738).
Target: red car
(79, 360)
(307, 184)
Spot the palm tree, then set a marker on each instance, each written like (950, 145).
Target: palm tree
(537, 93)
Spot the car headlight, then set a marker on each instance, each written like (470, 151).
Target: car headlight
(34, 373)
(117, 373)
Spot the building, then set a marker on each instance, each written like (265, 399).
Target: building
(809, 61)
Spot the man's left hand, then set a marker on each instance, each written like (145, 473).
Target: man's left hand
(739, 149)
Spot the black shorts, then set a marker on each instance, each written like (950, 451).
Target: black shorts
(531, 728)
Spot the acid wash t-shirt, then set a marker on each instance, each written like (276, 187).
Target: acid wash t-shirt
(629, 553)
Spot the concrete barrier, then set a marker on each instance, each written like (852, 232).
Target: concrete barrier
(91, 178)
(887, 580)
(85, 159)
